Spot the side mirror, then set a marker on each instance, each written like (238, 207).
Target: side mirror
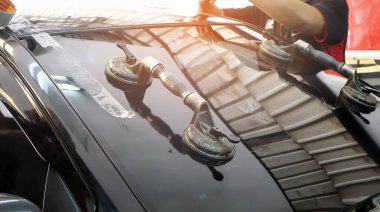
(13, 203)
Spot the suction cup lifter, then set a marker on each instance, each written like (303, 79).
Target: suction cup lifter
(201, 136)
(356, 94)
(324, 59)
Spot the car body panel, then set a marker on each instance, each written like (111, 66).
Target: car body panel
(59, 116)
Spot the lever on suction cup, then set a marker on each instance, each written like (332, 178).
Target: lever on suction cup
(129, 57)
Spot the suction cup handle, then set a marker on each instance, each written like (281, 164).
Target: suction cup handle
(196, 136)
(324, 59)
(171, 83)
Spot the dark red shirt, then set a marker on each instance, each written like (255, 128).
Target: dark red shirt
(332, 41)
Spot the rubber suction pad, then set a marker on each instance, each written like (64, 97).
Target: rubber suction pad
(208, 146)
(358, 101)
(122, 77)
(273, 54)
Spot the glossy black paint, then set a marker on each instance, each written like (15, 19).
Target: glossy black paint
(28, 109)
(58, 196)
(22, 170)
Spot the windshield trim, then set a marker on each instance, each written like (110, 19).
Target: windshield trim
(141, 26)
(192, 23)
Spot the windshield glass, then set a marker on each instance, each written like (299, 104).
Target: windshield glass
(144, 142)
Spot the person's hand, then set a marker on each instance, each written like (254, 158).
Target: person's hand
(208, 7)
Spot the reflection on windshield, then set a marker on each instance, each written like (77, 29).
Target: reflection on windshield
(224, 72)
(174, 139)
(78, 72)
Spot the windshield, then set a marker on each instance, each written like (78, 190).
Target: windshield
(143, 142)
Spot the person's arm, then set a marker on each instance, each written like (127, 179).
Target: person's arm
(335, 13)
(248, 14)
(294, 14)
(208, 7)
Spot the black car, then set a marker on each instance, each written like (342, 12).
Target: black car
(153, 112)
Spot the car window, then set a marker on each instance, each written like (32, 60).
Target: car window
(143, 144)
